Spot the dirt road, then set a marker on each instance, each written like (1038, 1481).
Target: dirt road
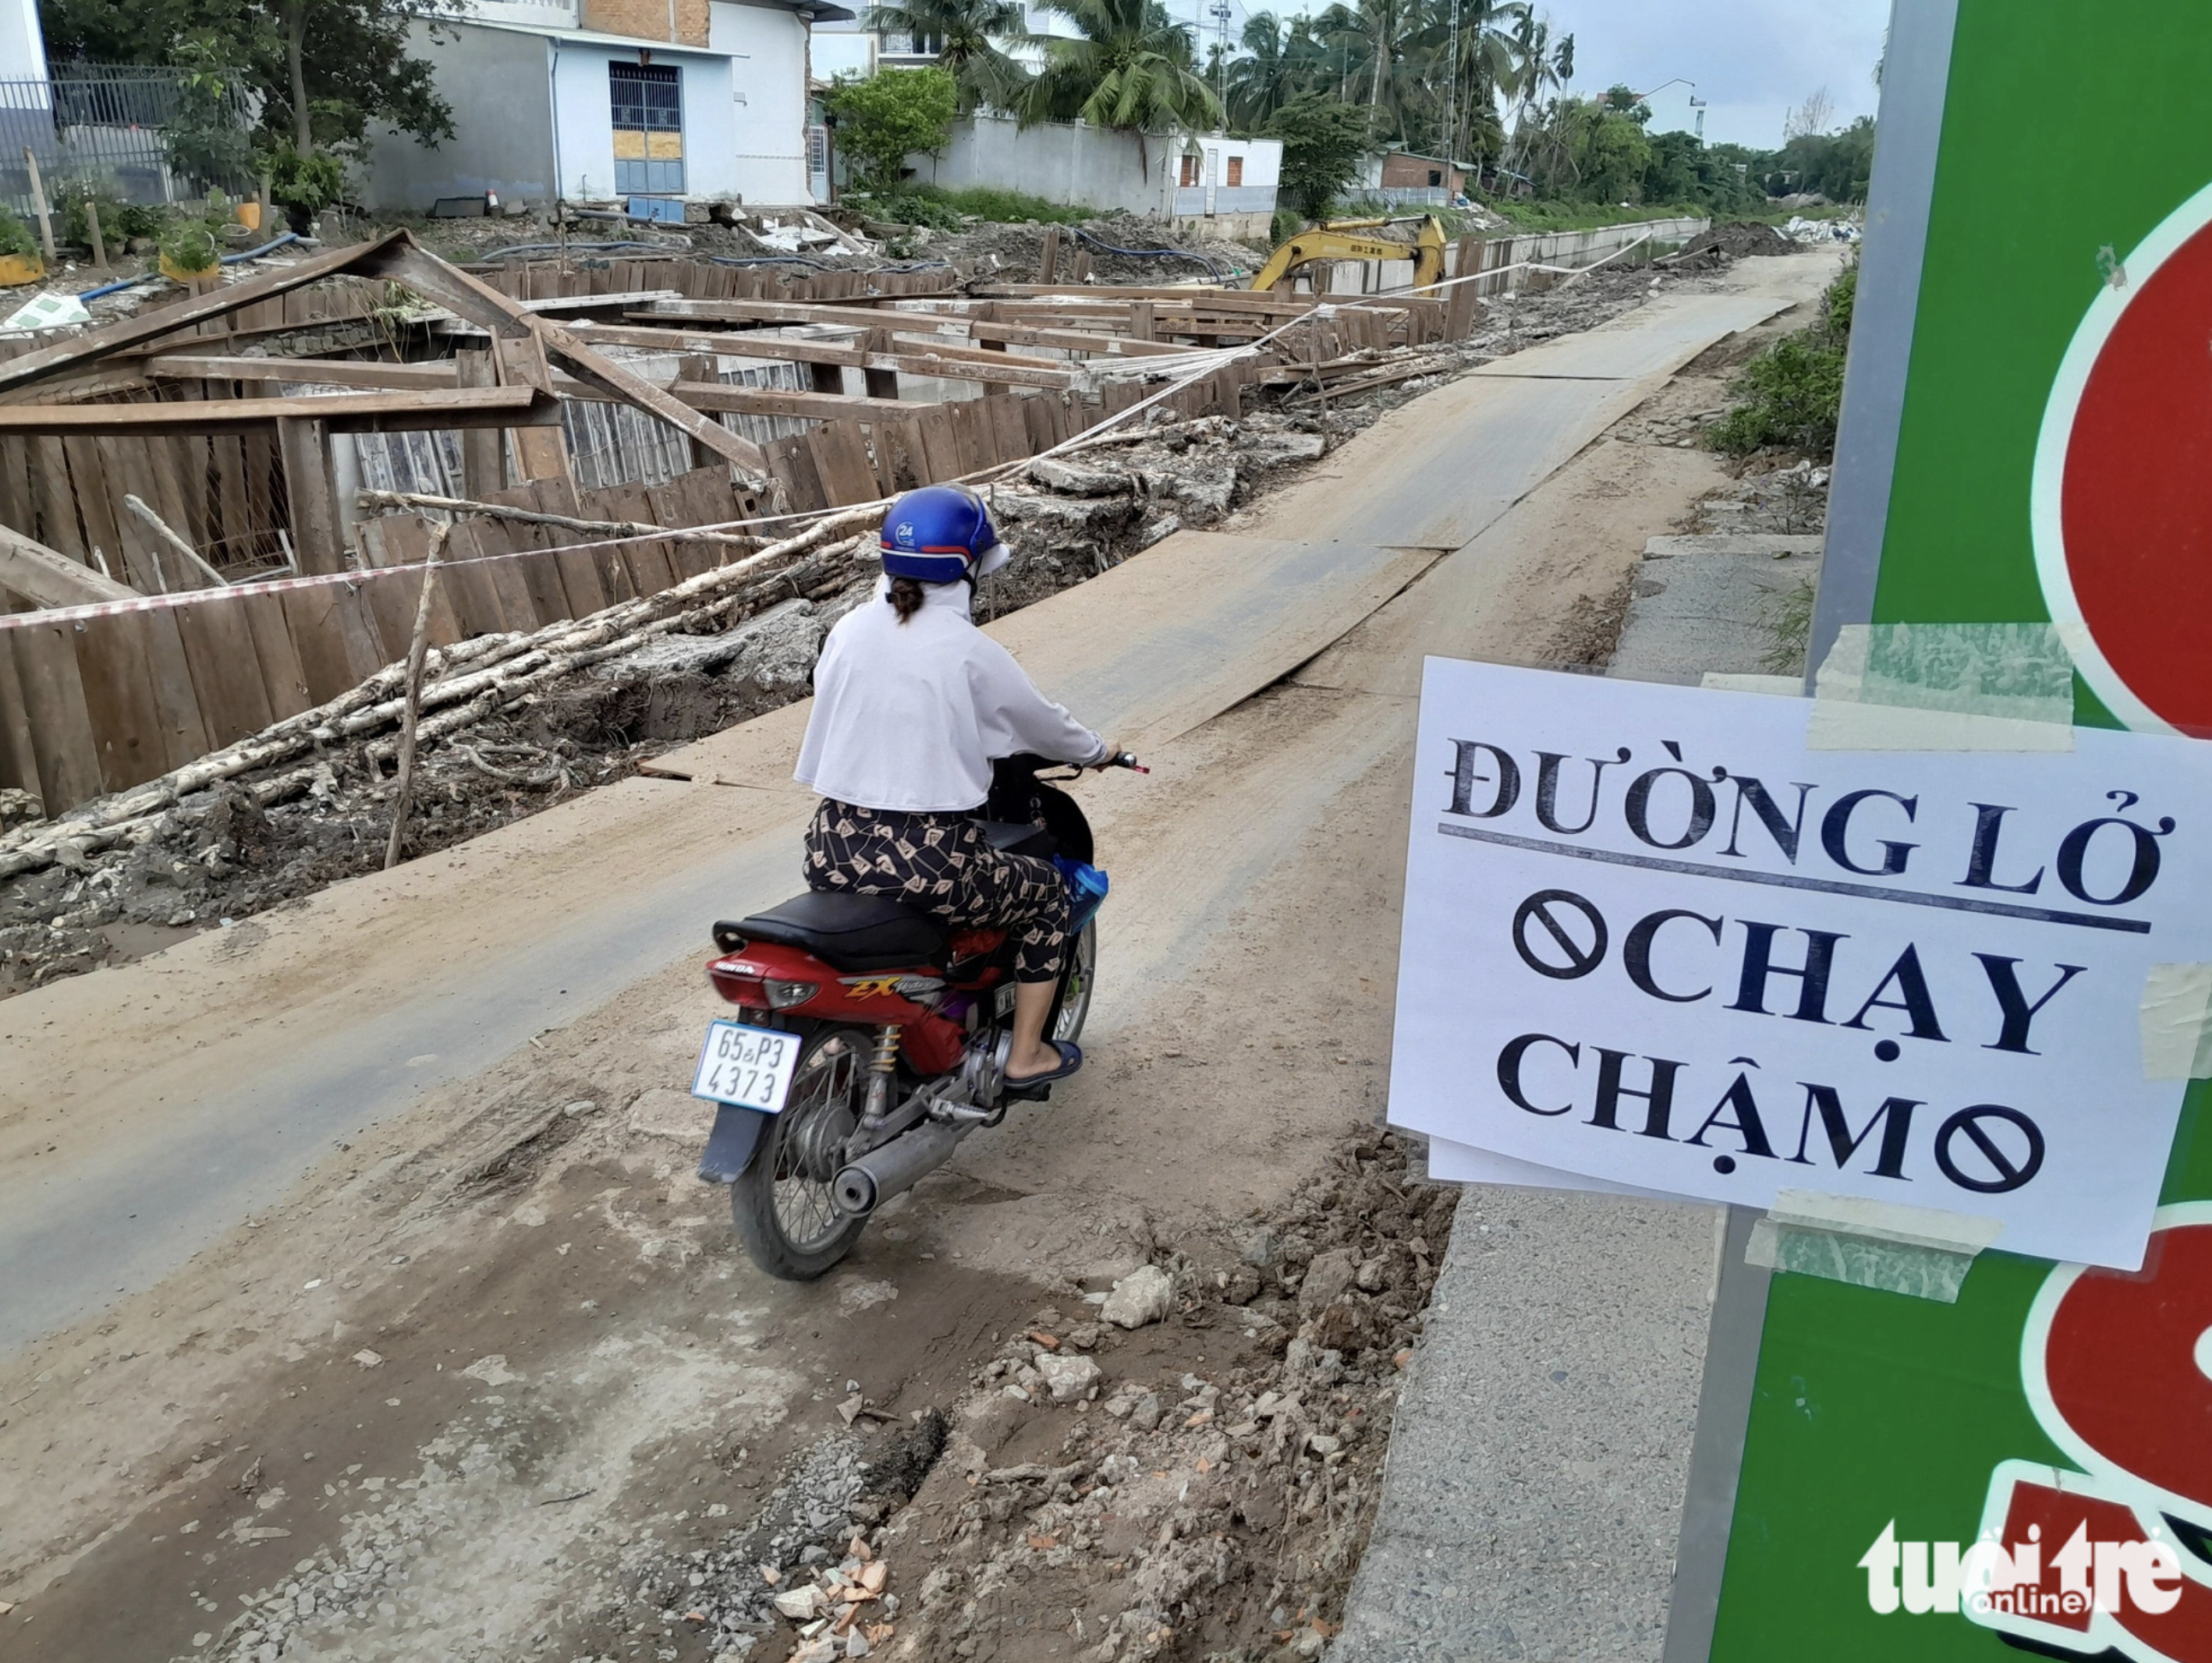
(393, 1189)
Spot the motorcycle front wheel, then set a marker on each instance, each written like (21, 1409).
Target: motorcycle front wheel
(1076, 984)
(781, 1205)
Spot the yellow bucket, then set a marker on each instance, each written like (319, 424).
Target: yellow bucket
(249, 216)
(19, 269)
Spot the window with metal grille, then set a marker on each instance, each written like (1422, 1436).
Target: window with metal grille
(646, 103)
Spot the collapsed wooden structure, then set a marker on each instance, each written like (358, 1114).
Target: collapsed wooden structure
(191, 447)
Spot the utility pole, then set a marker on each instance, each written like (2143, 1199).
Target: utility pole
(1698, 104)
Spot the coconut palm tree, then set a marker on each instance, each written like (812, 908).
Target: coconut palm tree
(1132, 69)
(1472, 42)
(965, 35)
(1263, 79)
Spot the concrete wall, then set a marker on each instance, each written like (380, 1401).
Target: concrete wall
(22, 43)
(497, 83)
(1079, 165)
(768, 89)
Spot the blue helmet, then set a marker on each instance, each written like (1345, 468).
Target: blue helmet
(940, 534)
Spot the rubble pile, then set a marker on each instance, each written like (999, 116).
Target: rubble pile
(1722, 244)
(1016, 250)
(1790, 502)
(1182, 1466)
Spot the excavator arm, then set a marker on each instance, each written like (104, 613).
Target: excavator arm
(1336, 241)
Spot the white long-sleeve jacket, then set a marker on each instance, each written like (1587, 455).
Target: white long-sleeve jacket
(909, 716)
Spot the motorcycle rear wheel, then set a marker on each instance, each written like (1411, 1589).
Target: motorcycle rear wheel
(781, 1205)
(1077, 985)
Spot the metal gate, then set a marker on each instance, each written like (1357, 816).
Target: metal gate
(647, 104)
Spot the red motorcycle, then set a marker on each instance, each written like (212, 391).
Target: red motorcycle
(871, 1038)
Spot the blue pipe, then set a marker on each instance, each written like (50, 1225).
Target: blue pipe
(118, 287)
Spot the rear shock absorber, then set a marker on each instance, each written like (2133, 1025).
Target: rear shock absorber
(881, 1071)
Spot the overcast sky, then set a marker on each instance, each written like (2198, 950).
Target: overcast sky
(1754, 60)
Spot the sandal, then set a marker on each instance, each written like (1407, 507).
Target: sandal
(1071, 1059)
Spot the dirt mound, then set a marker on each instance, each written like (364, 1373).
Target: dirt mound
(1736, 241)
(1198, 1486)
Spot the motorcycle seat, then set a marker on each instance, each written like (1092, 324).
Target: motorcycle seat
(850, 932)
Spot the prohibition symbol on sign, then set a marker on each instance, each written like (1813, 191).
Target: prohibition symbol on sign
(2120, 506)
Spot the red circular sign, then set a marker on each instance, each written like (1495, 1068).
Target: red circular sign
(2123, 515)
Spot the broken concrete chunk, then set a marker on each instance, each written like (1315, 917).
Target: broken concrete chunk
(1148, 1412)
(1145, 1295)
(799, 1604)
(1067, 1379)
(1328, 1279)
(1077, 480)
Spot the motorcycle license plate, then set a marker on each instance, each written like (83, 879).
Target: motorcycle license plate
(750, 1067)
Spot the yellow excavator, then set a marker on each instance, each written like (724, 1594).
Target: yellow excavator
(1333, 241)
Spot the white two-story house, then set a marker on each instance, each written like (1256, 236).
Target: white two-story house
(691, 101)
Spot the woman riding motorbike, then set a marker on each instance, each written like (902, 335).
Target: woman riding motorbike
(912, 705)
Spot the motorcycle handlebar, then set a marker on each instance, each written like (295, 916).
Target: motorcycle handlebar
(1124, 759)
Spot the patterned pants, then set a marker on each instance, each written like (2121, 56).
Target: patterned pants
(941, 864)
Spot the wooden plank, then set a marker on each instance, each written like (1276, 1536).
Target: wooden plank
(1013, 429)
(226, 670)
(331, 629)
(55, 507)
(792, 464)
(62, 743)
(403, 539)
(184, 736)
(1036, 417)
(959, 364)
(939, 457)
(517, 603)
(484, 450)
(316, 543)
(841, 458)
(281, 676)
(118, 696)
(474, 597)
(974, 434)
(539, 453)
(581, 571)
(538, 576)
(350, 412)
(38, 573)
(19, 764)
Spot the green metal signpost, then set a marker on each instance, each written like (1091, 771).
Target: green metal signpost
(2028, 438)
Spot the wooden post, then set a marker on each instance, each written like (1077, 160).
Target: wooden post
(1459, 302)
(483, 449)
(1141, 328)
(412, 713)
(316, 544)
(92, 225)
(39, 203)
(881, 383)
(1048, 263)
(988, 312)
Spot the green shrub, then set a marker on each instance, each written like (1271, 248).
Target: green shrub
(118, 220)
(190, 246)
(1792, 394)
(1288, 223)
(309, 183)
(944, 211)
(15, 237)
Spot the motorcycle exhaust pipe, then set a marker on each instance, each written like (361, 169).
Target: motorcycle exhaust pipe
(861, 1187)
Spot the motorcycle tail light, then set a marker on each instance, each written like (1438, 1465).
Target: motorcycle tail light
(782, 996)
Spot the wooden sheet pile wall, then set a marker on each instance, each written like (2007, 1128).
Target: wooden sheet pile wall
(104, 704)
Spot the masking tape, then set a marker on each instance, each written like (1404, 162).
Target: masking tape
(1729, 681)
(1919, 1252)
(2176, 1018)
(1888, 1267)
(1944, 687)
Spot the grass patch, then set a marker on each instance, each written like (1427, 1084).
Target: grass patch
(1589, 216)
(1791, 393)
(947, 210)
(1789, 628)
